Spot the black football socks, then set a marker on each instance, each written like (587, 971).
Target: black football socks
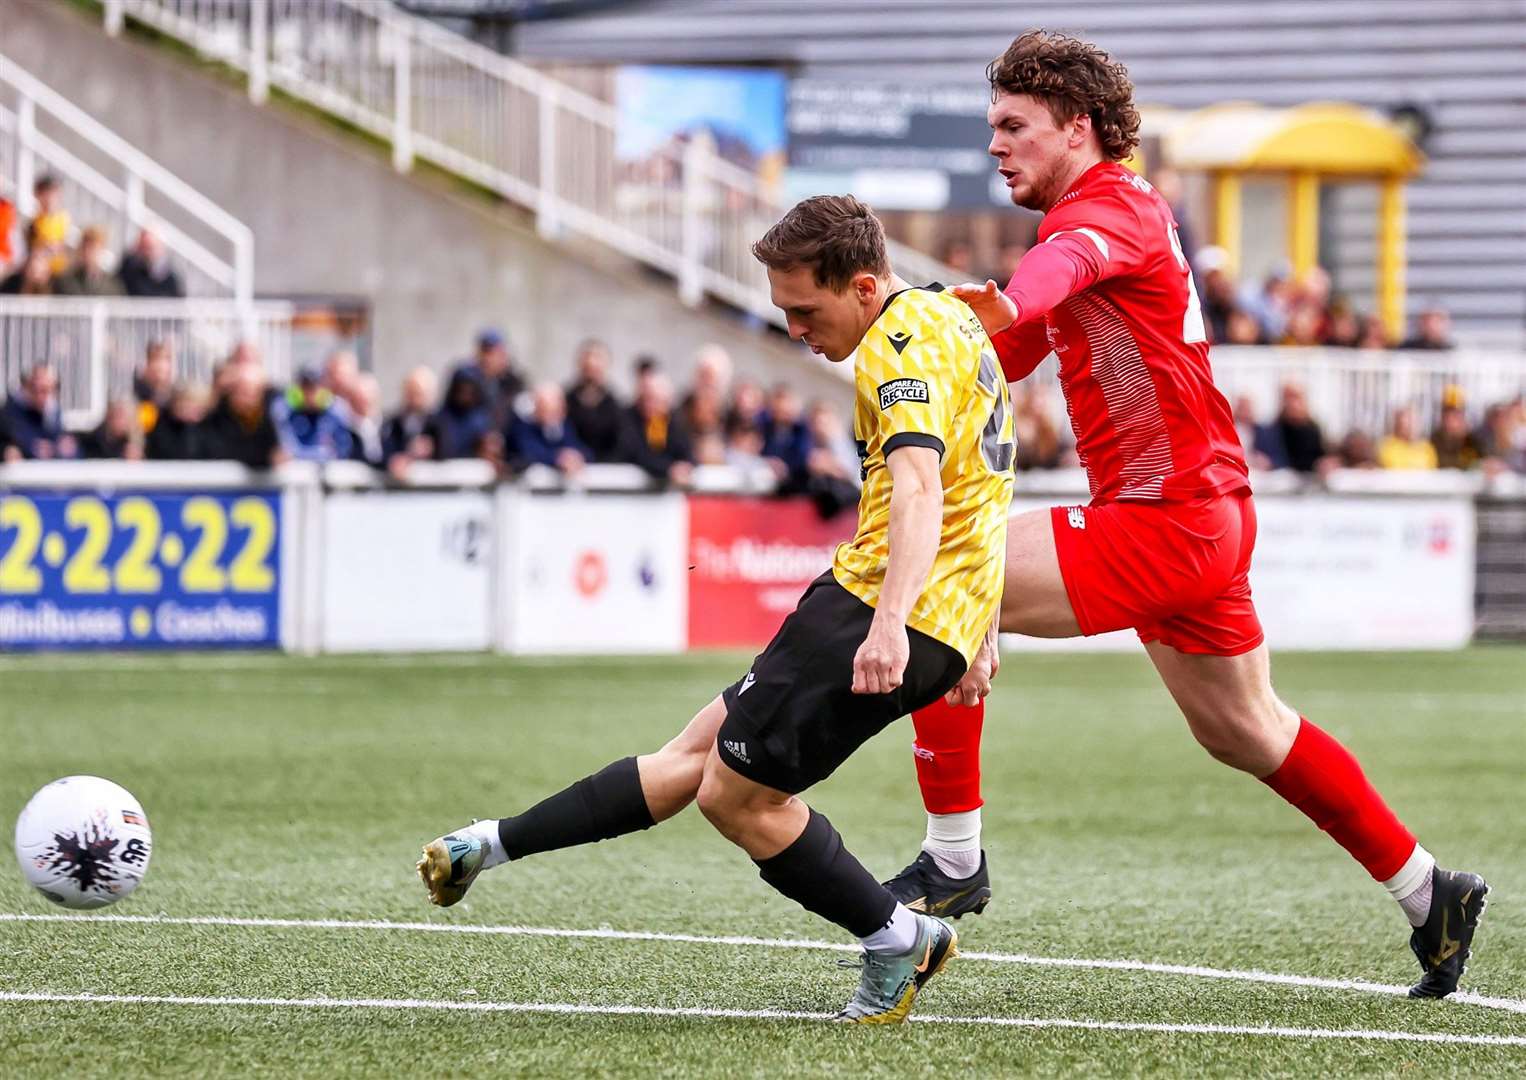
(599, 807)
(822, 876)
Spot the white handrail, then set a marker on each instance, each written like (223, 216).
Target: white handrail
(236, 274)
(538, 142)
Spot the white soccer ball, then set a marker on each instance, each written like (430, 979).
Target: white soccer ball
(83, 842)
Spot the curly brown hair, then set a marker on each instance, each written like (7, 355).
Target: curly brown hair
(835, 235)
(1071, 77)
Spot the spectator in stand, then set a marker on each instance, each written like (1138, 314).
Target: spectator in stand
(1433, 330)
(1293, 440)
(500, 381)
(176, 434)
(89, 275)
(310, 423)
(116, 436)
(747, 405)
(32, 418)
(1038, 439)
(240, 427)
(833, 471)
(366, 419)
(1271, 305)
(1403, 447)
(341, 378)
(1246, 427)
(1374, 334)
(959, 255)
(1503, 437)
(1304, 326)
(7, 232)
(49, 230)
(545, 437)
(1217, 285)
(1344, 329)
(1168, 182)
(744, 444)
(146, 269)
(1455, 444)
(1241, 328)
(786, 438)
(153, 384)
(463, 426)
(654, 438)
(592, 409)
(704, 408)
(33, 278)
(406, 436)
(1357, 451)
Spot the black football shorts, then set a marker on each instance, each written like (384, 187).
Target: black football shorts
(793, 719)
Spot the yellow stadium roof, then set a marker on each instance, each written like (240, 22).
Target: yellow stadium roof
(1326, 138)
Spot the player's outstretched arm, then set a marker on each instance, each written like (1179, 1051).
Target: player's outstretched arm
(916, 518)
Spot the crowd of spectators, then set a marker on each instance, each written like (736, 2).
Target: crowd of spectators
(52, 262)
(492, 410)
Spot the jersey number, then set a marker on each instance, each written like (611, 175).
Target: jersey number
(999, 453)
(1193, 329)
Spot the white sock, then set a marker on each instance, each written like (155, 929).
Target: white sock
(487, 831)
(1411, 886)
(953, 840)
(896, 936)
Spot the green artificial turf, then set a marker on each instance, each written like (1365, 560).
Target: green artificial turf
(301, 789)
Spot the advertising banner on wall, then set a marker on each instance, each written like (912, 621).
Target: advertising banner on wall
(181, 570)
(407, 571)
(751, 560)
(1348, 573)
(597, 574)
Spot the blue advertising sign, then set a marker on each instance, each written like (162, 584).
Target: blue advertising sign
(86, 570)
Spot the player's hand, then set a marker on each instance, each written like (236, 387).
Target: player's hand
(976, 684)
(880, 662)
(994, 308)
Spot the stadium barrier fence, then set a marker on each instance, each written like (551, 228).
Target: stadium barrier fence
(133, 555)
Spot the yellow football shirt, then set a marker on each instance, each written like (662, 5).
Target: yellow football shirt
(926, 375)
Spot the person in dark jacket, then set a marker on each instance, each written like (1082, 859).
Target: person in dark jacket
(786, 436)
(545, 437)
(146, 269)
(116, 437)
(240, 427)
(592, 409)
(463, 426)
(653, 437)
(405, 436)
(32, 419)
(176, 435)
(495, 371)
(89, 276)
(1293, 440)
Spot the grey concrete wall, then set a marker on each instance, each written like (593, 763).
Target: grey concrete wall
(330, 216)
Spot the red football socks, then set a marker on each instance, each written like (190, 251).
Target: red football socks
(1323, 779)
(948, 756)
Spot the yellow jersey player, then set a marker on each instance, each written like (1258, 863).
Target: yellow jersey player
(904, 616)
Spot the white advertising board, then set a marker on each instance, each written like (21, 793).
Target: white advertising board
(407, 571)
(598, 574)
(1347, 572)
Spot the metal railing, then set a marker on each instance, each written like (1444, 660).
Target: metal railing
(95, 343)
(1348, 389)
(537, 142)
(111, 184)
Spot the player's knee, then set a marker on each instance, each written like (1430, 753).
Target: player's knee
(1252, 738)
(718, 798)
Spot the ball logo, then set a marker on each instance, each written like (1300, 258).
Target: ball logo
(590, 574)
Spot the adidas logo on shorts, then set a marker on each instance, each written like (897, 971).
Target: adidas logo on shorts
(737, 749)
(1076, 516)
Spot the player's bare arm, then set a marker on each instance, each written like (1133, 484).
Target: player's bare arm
(916, 508)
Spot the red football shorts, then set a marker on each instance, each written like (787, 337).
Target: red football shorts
(1176, 572)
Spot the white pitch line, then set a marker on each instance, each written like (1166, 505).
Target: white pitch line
(1191, 970)
(573, 1009)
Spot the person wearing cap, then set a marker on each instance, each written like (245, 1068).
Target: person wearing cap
(310, 424)
(494, 370)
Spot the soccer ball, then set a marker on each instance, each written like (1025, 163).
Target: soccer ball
(83, 842)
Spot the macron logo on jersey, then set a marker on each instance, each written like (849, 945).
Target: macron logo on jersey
(898, 390)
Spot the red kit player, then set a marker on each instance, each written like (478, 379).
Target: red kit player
(1165, 544)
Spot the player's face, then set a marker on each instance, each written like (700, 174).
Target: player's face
(831, 323)
(1030, 149)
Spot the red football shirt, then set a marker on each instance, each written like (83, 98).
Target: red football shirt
(1108, 290)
